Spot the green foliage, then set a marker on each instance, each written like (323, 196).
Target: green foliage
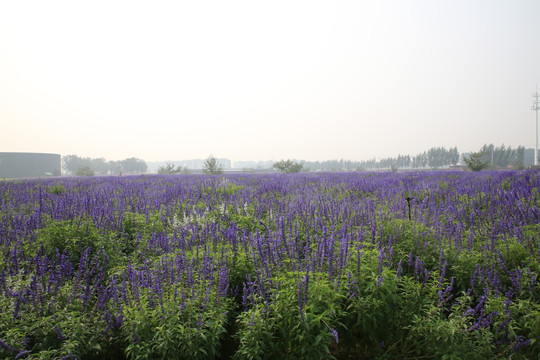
(176, 329)
(514, 253)
(288, 166)
(85, 171)
(57, 332)
(506, 184)
(136, 230)
(240, 267)
(502, 156)
(73, 163)
(70, 236)
(294, 324)
(212, 166)
(229, 189)
(462, 265)
(134, 166)
(256, 335)
(531, 238)
(169, 168)
(444, 332)
(380, 306)
(435, 336)
(476, 161)
(377, 302)
(527, 323)
(57, 189)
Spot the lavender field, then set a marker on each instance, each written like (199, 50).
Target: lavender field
(419, 265)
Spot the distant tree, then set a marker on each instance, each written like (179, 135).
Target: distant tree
(72, 163)
(439, 157)
(519, 158)
(100, 166)
(454, 156)
(169, 168)
(68, 163)
(434, 157)
(134, 166)
(476, 161)
(502, 156)
(488, 152)
(420, 160)
(115, 167)
(212, 166)
(288, 166)
(85, 171)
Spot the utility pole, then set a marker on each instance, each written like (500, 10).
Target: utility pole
(536, 107)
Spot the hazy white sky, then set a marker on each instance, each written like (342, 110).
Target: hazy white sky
(266, 80)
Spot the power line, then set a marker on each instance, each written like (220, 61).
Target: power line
(536, 107)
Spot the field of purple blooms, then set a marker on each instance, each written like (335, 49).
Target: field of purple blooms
(412, 265)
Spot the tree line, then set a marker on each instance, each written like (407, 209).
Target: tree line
(489, 156)
(502, 156)
(81, 166)
(434, 158)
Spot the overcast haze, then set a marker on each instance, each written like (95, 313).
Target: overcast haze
(253, 80)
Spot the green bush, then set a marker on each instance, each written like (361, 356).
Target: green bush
(293, 324)
(70, 236)
(175, 329)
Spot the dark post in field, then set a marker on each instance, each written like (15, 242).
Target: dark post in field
(408, 198)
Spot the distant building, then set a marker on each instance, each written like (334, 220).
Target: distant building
(193, 164)
(265, 164)
(20, 165)
(226, 163)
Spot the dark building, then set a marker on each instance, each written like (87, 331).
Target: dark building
(21, 165)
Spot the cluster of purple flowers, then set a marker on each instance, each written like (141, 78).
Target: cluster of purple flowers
(180, 238)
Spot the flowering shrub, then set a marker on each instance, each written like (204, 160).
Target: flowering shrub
(289, 266)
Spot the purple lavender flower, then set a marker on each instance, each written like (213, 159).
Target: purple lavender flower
(521, 342)
(136, 338)
(59, 334)
(6, 347)
(22, 354)
(400, 268)
(475, 276)
(223, 281)
(448, 290)
(336, 335)
(411, 260)
(418, 267)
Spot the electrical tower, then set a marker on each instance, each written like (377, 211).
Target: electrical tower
(536, 107)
